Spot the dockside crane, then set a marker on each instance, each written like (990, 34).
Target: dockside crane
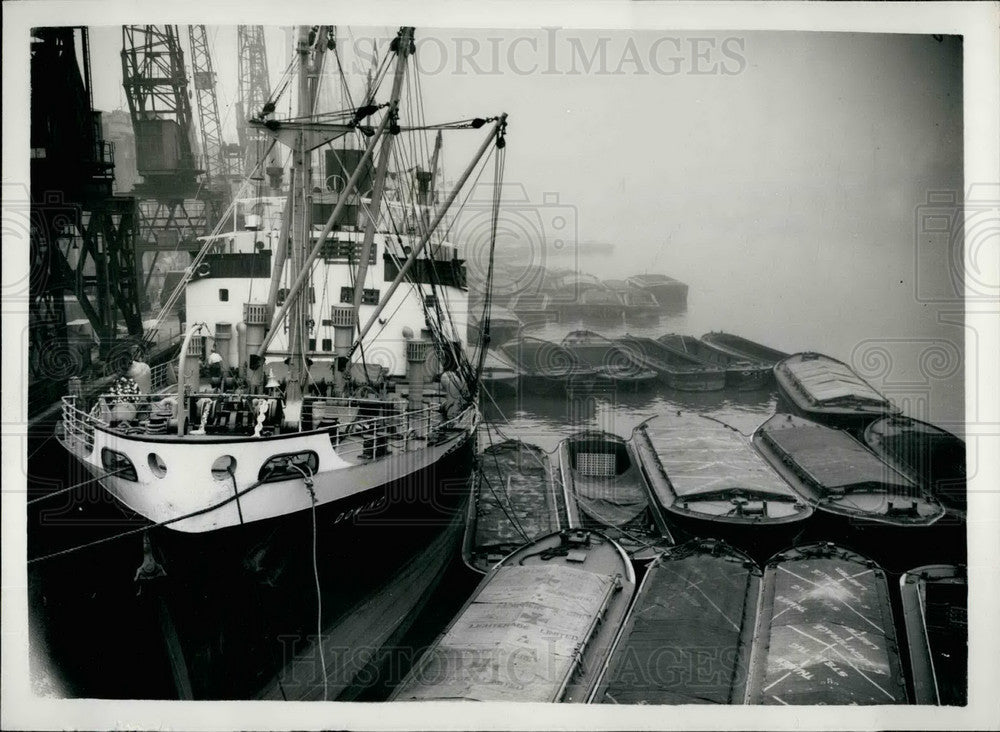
(253, 94)
(220, 166)
(81, 236)
(175, 206)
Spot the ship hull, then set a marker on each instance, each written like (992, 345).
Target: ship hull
(372, 524)
(255, 586)
(177, 483)
(242, 600)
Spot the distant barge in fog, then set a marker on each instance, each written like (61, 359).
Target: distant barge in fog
(744, 348)
(741, 374)
(677, 369)
(669, 292)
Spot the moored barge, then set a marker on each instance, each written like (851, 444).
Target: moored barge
(539, 627)
(687, 638)
(827, 390)
(838, 475)
(825, 632)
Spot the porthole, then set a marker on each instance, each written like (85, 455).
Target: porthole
(118, 463)
(223, 467)
(289, 465)
(156, 465)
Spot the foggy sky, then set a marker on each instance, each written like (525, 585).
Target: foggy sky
(655, 137)
(780, 174)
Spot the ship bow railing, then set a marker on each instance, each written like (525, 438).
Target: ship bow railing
(77, 427)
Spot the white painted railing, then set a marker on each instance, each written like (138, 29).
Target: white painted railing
(78, 426)
(162, 375)
(348, 420)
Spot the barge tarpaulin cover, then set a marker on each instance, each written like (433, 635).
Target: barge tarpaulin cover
(517, 640)
(687, 638)
(824, 632)
(700, 467)
(836, 473)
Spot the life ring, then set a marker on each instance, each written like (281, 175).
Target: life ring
(204, 270)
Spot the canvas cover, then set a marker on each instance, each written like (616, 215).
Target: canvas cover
(700, 456)
(687, 638)
(517, 641)
(612, 501)
(834, 459)
(828, 380)
(825, 634)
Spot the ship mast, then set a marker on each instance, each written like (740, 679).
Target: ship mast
(403, 45)
(301, 215)
(303, 135)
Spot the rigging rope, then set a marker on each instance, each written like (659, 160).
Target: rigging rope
(484, 341)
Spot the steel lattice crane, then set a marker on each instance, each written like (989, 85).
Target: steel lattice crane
(174, 207)
(254, 91)
(218, 163)
(156, 88)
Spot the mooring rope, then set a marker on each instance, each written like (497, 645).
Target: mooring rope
(308, 479)
(71, 488)
(147, 527)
